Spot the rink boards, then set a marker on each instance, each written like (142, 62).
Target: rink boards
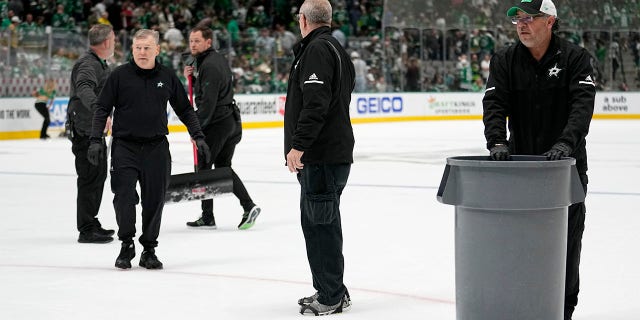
(20, 120)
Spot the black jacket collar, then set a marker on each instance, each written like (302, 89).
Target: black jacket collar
(102, 61)
(202, 55)
(145, 72)
(553, 50)
(312, 35)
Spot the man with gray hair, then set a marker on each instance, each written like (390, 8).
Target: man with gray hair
(318, 147)
(87, 79)
(541, 90)
(137, 92)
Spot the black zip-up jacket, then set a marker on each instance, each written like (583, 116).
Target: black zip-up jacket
(316, 118)
(138, 98)
(546, 102)
(213, 87)
(87, 79)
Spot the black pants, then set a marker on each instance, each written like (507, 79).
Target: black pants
(90, 184)
(321, 187)
(222, 138)
(577, 213)
(42, 109)
(148, 163)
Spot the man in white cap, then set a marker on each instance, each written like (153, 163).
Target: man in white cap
(544, 85)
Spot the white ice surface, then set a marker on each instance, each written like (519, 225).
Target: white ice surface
(398, 240)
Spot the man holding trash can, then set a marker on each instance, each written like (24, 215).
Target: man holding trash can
(544, 85)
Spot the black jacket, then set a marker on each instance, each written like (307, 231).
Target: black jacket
(316, 118)
(213, 87)
(87, 79)
(138, 98)
(546, 102)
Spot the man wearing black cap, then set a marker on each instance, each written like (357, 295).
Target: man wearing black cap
(544, 85)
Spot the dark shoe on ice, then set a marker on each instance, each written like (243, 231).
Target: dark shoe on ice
(93, 236)
(308, 300)
(203, 223)
(127, 252)
(149, 260)
(105, 232)
(318, 309)
(249, 218)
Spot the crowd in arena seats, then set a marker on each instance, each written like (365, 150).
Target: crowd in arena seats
(424, 45)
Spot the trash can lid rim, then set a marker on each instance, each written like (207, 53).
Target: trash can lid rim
(519, 161)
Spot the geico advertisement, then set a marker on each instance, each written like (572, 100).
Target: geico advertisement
(415, 104)
(377, 105)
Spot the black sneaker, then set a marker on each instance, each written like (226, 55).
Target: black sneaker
(249, 218)
(149, 260)
(202, 223)
(105, 232)
(127, 252)
(93, 236)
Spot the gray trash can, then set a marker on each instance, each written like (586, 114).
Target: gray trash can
(510, 234)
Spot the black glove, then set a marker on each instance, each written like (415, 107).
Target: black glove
(558, 151)
(203, 150)
(95, 153)
(499, 152)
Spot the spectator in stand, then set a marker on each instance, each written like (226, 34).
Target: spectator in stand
(61, 19)
(285, 40)
(265, 43)
(174, 38)
(484, 67)
(614, 56)
(361, 72)
(339, 35)
(412, 75)
(127, 15)
(29, 28)
(381, 84)
(104, 18)
(14, 39)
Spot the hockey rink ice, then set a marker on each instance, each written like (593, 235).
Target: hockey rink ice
(398, 240)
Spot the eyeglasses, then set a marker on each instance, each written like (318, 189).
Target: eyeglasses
(526, 19)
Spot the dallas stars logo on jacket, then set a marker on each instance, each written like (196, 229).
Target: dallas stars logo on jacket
(553, 72)
(160, 84)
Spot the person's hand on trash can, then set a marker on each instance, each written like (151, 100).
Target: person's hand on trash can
(558, 151)
(499, 152)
